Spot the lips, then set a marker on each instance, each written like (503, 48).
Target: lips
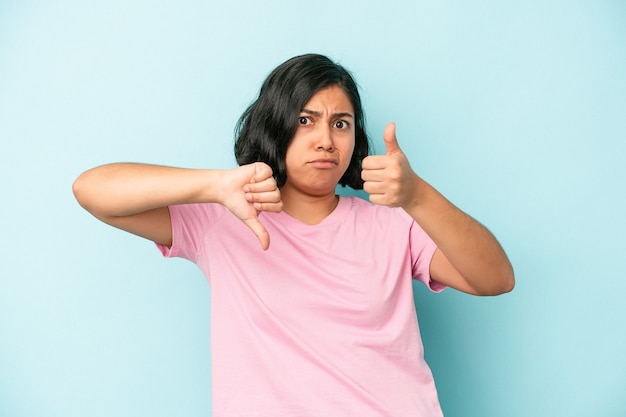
(324, 163)
(331, 160)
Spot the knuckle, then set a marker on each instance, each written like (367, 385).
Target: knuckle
(395, 173)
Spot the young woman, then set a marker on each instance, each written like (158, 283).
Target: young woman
(321, 321)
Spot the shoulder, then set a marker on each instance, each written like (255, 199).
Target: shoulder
(366, 210)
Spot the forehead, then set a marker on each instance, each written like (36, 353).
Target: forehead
(333, 97)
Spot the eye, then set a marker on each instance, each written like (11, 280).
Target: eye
(303, 120)
(341, 124)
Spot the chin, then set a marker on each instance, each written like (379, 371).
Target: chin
(321, 191)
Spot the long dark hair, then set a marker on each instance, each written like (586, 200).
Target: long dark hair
(268, 125)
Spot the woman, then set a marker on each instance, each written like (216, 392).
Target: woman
(322, 321)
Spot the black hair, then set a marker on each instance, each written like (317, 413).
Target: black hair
(266, 128)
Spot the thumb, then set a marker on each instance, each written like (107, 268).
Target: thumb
(389, 136)
(259, 230)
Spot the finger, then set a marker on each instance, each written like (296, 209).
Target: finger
(379, 199)
(262, 186)
(372, 175)
(391, 142)
(263, 192)
(259, 230)
(267, 197)
(262, 172)
(273, 207)
(373, 187)
(374, 162)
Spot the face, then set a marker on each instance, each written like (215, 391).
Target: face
(322, 147)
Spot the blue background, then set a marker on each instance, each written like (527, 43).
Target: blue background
(516, 111)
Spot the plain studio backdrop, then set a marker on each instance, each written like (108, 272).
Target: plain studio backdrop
(516, 111)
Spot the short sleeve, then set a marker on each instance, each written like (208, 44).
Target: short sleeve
(422, 251)
(191, 223)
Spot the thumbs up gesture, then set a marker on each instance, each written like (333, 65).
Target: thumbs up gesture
(389, 179)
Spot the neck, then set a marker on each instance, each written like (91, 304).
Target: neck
(309, 209)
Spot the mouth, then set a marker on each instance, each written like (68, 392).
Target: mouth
(324, 163)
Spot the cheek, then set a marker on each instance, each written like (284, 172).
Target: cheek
(293, 158)
(288, 160)
(349, 151)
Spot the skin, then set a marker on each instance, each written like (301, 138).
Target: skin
(135, 197)
(318, 155)
(468, 258)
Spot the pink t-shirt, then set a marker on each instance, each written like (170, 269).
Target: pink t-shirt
(323, 323)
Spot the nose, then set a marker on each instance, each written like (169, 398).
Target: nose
(325, 140)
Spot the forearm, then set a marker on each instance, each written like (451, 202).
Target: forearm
(471, 249)
(125, 189)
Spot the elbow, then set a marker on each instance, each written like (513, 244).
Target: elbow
(494, 281)
(508, 285)
(503, 283)
(508, 278)
(84, 193)
(78, 190)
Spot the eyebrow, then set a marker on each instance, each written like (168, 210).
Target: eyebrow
(334, 115)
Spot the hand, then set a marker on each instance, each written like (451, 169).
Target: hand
(248, 190)
(389, 179)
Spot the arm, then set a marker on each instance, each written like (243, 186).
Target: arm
(135, 197)
(468, 258)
